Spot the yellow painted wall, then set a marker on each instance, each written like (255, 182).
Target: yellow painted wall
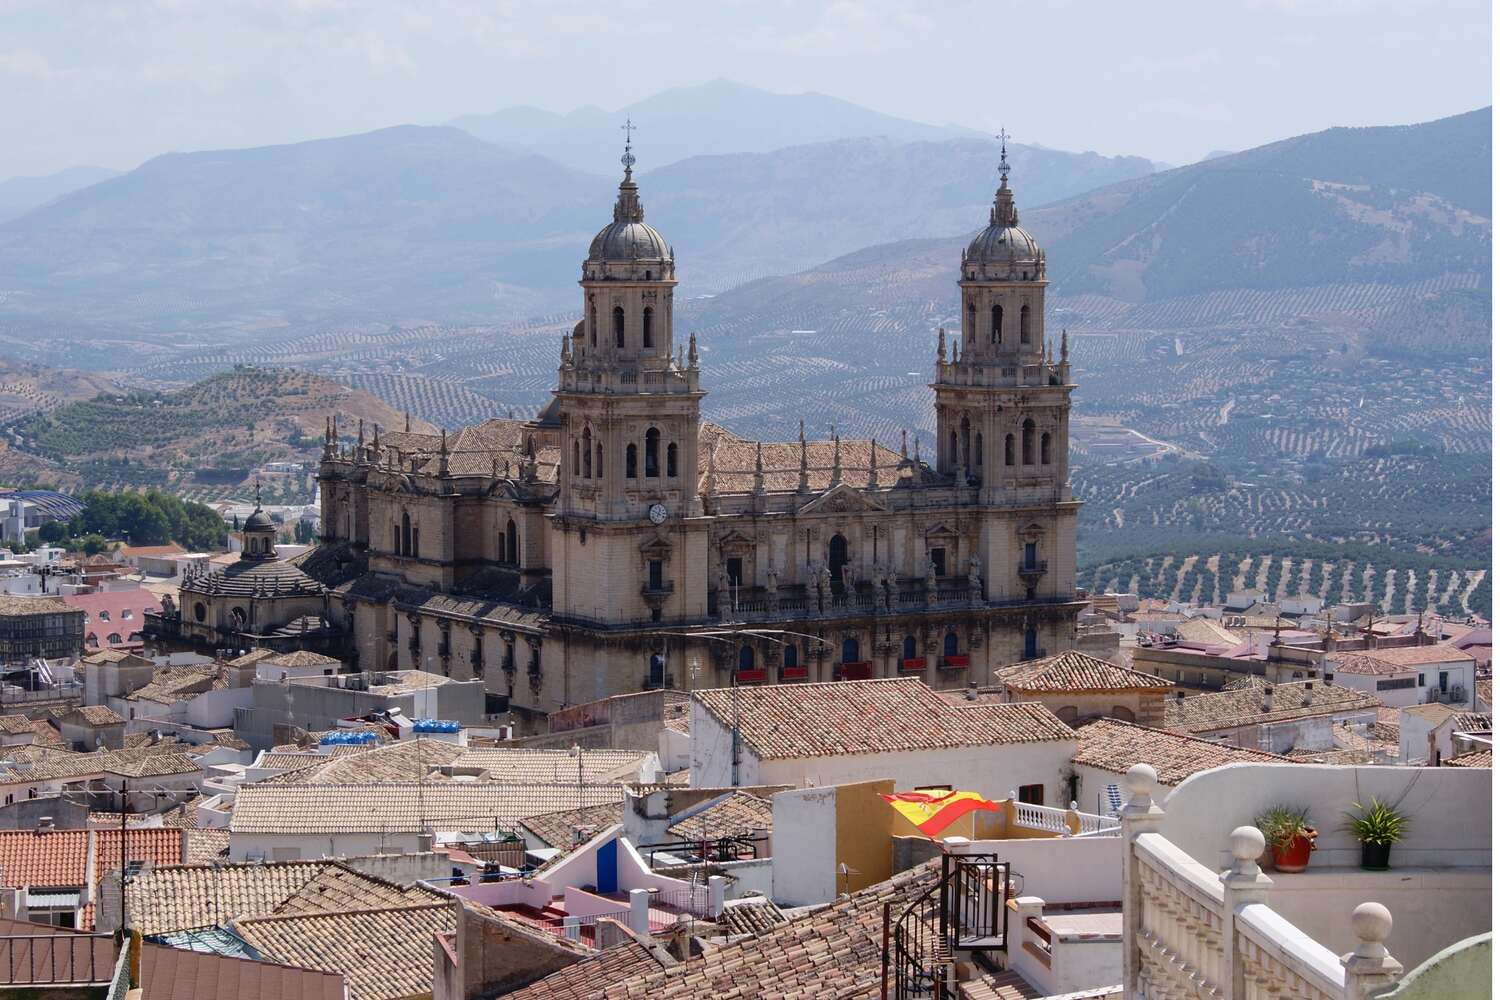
(863, 825)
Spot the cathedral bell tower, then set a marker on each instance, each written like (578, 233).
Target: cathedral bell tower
(628, 402)
(1002, 408)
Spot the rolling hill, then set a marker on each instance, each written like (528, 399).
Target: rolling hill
(19, 195)
(214, 432)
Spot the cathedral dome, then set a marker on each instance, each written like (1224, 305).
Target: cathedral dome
(628, 239)
(259, 521)
(1003, 243)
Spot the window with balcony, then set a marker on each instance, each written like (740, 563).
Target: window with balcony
(654, 574)
(939, 558)
(734, 568)
(1032, 795)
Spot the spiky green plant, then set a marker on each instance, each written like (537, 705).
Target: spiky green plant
(1375, 823)
(1281, 825)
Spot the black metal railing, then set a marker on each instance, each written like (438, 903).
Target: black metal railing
(964, 911)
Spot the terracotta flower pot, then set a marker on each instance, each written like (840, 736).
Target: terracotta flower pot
(1295, 854)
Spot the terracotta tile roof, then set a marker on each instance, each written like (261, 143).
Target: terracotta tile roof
(337, 888)
(96, 715)
(1076, 671)
(404, 760)
(173, 684)
(755, 916)
(1115, 746)
(47, 735)
(384, 954)
(1433, 712)
(253, 657)
(54, 859)
(734, 464)
(188, 897)
(830, 954)
(176, 974)
(735, 814)
(1474, 758)
(1472, 722)
(1485, 689)
(1206, 631)
(302, 658)
(169, 549)
(584, 979)
(555, 829)
(13, 606)
(1204, 713)
(1398, 660)
(518, 764)
(15, 725)
(782, 721)
(404, 807)
(207, 845)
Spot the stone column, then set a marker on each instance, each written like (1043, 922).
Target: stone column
(1244, 883)
(1369, 967)
(1140, 816)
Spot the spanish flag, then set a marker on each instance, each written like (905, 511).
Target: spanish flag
(933, 812)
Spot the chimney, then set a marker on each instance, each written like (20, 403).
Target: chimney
(972, 694)
(1180, 696)
(1307, 694)
(1270, 696)
(44, 824)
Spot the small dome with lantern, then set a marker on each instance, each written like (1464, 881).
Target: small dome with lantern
(1003, 249)
(628, 239)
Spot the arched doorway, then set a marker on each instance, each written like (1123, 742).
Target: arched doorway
(838, 558)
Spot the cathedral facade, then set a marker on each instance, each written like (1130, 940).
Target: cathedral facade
(618, 541)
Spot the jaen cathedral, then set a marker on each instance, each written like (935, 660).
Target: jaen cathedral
(571, 557)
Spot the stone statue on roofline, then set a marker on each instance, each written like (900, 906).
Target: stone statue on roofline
(976, 586)
(773, 579)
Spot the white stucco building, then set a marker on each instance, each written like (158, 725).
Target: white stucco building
(897, 729)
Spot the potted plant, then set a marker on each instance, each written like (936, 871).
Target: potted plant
(1289, 839)
(1376, 826)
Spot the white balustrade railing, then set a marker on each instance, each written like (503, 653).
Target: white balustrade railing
(1048, 818)
(1193, 934)
(1062, 821)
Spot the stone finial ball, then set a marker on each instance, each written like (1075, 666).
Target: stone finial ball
(1140, 779)
(1246, 843)
(1372, 922)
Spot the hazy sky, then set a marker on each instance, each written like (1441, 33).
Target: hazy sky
(112, 83)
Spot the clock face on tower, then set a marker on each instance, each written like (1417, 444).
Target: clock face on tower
(657, 513)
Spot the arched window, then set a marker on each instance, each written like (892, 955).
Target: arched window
(653, 449)
(113, 638)
(969, 327)
(672, 460)
(588, 452)
(997, 316)
(648, 335)
(1068, 713)
(416, 541)
(850, 653)
(1031, 647)
(909, 648)
(1028, 443)
(978, 451)
(598, 461)
(1046, 448)
(593, 326)
(838, 556)
(510, 541)
(789, 655)
(619, 327)
(1010, 449)
(963, 428)
(405, 533)
(747, 657)
(1122, 713)
(950, 644)
(103, 616)
(576, 466)
(630, 461)
(1025, 324)
(953, 448)
(396, 539)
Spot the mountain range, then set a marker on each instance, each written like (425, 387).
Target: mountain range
(19, 195)
(419, 224)
(716, 117)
